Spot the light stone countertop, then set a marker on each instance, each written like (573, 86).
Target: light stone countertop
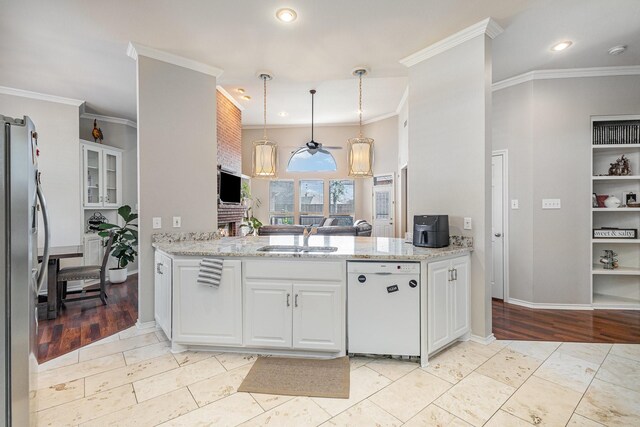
(349, 247)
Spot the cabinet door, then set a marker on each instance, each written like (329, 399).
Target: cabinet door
(93, 250)
(438, 302)
(162, 295)
(92, 180)
(267, 320)
(318, 317)
(112, 182)
(207, 314)
(460, 310)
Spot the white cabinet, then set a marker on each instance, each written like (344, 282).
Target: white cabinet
(305, 316)
(102, 176)
(317, 316)
(267, 320)
(206, 314)
(93, 250)
(162, 292)
(448, 295)
(304, 310)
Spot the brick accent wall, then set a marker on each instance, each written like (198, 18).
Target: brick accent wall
(229, 122)
(229, 125)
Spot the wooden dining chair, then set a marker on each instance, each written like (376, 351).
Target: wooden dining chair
(85, 272)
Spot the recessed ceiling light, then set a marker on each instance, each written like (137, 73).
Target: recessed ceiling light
(617, 50)
(246, 97)
(286, 15)
(240, 90)
(283, 114)
(561, 46)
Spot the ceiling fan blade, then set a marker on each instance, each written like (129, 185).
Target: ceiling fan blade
(322, 150)
(332, 147)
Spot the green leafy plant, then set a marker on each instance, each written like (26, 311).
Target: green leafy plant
(125, 239)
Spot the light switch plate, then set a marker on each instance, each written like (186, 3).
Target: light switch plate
(177, 222)
(515, 204)
(467, 223)
(551, 204)
(157, 222)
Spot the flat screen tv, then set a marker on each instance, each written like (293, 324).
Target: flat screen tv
(230, 185)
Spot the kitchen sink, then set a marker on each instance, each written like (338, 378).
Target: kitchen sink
(297, 249)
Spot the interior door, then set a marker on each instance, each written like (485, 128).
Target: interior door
(317, 316)
(497, 228)
(383, 206)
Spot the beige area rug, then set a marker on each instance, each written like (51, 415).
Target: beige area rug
(299, 377)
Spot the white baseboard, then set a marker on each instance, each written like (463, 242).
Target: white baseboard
(482, 340)
(129, 273)
(145, 325)
(552, 306)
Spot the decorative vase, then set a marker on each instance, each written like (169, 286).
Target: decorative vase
(612, 202)
(117, 275)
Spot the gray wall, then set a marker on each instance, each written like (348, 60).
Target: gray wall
(545, 125)
(449, 153)
(59, 162)
(177, 160)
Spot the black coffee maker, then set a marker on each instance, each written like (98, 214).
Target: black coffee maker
(431, 231)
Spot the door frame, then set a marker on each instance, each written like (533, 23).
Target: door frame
(505, 218)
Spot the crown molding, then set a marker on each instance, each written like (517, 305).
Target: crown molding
(487, 27)
(230, 98)
(380, 118)
(403, 100)
(40, 96)
(109, 119)
(567, 73)
(134, 50)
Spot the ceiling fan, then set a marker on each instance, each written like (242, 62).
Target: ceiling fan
(313, 146)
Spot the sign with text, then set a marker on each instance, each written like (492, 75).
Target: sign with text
(615, 233)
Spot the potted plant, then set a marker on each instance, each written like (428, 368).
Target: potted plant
(249, 222)
(125, 242)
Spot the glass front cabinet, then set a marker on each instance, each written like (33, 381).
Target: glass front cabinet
(102, 176)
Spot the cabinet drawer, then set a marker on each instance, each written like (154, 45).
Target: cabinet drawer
(295, 270)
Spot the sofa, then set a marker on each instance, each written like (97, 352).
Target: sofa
(360, 228)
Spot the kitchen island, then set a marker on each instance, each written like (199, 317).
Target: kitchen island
(278, 296)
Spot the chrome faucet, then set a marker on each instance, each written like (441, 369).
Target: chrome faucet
(308, 231)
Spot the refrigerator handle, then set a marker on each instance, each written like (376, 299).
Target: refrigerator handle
(45, 219)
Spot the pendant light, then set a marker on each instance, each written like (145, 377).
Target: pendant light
(265, 151)
(360, 148)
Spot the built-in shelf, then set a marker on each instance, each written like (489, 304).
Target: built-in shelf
(111, 170)
(92, 187)
(614, 147)
(615, 209)
(620, 271)
(92, 167)
(615, 241)
(611, 301)
(616, 178)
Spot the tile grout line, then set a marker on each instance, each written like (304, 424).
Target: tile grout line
(591, 382)
(382, 409)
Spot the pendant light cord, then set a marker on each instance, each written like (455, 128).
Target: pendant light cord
(264, 130)
(312, 102)
(360, 102)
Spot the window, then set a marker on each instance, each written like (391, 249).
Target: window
(311, 201)
(303, 161)
(281, 202)
(341, 201)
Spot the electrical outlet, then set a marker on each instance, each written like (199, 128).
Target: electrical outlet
(157, 222)
(467, 223)
(515, 204)
(177, 222)
(551, 204)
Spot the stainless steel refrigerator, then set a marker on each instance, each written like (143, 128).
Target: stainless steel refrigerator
(20, 200)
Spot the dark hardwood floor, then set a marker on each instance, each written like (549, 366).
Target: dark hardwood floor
(513, 322)
(84, 322)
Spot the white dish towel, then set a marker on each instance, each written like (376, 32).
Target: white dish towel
(210, 271)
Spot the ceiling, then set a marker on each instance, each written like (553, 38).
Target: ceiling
(76, 48)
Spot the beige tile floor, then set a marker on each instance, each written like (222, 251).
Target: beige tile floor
(133, 379)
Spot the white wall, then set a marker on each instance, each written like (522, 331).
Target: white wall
(449, 153)
(403, 159)
(59, 162)
(545, 125)
(177, 158)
